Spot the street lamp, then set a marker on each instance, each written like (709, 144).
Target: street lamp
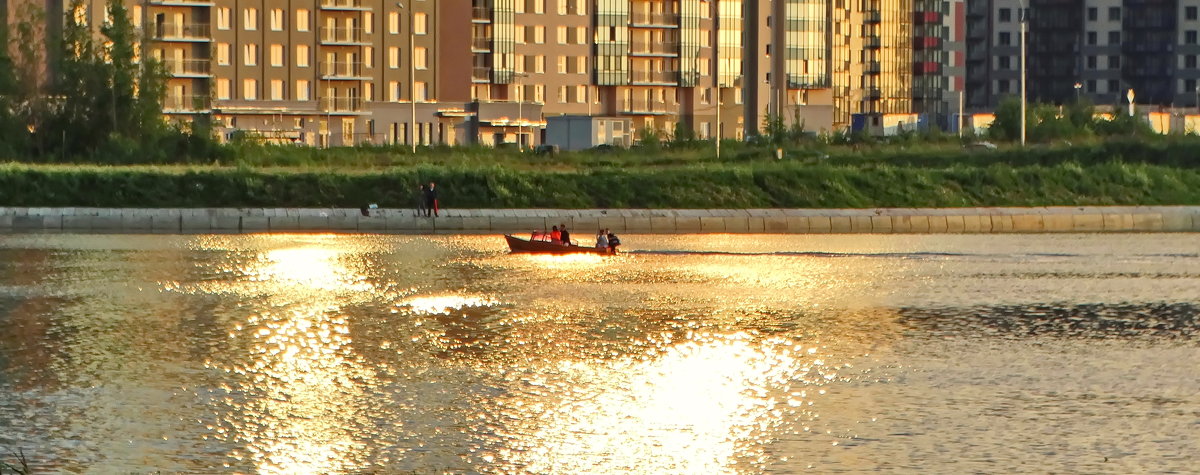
(1078, 86)
(520, 110)
(1024, 28)
(1129, 95)
(412, 80)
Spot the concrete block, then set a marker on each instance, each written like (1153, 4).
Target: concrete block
(881, 224)
(819, 225)
(428, 225)
(504, 224)
(137, 222)
(588, 224)
(736, 224)
(687, 224)
(797, 224)
(955, 224)
(711, 224)
(402, 222)
(474, 223)
(107, 223)
(1058, 223)
(226, 223)
(1176, 221)
(938, 224)
(775, 224)
(918, 224)
(284, 223)
(195, 223)
(839, 224)
(861, 224)
(165, 223)
(1002, 223)
(976, 224)
(77, 223)
(1147, 222)
(343, 223)
(663, 224)
(610, 222)
(1027, 223)
(756, 224)
(6, 221)
(255, 224)
(309, 222)
(1118, 222)
(1087, 223)
(901, 224)
(632, 224)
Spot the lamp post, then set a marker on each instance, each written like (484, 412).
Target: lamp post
(1078, 86)
(1024, 28)
(520, 111)
(1129, 95)
(412, 79)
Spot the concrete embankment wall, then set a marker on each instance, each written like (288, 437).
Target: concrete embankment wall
(882, 220)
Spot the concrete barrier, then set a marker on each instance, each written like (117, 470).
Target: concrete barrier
(882, 220)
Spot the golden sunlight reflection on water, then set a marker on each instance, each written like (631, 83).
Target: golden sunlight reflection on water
(689, 354)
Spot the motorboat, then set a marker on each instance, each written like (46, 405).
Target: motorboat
(517, 244)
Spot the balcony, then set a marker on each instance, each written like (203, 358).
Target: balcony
(927, 68)
(643, 108)
(188, 68)
(341, 104)
(342, 36)
(652, 48)
(481, 74)
(353, 5)
(344, 70)
(872, 17)
(655, 77)
(481, 45)
(183, 32)
(871, 42)
(481, 15)
(927, 42)
(871, 67)
(186, 104)
(927, 18)
(654, 20)
(184, 3)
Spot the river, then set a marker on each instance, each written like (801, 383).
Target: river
(692, 354)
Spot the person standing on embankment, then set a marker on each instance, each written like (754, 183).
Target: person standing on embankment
(431, 200)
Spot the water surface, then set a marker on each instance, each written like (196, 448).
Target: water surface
(689, 354)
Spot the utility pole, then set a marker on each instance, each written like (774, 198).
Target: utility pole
(412, 78)
(961, 107)
(1024, 28)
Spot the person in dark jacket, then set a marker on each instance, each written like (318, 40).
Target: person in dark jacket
(613, 242)
(564, 235)
(431, 200)
(421, 208)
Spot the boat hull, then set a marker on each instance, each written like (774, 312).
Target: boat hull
(517, 244)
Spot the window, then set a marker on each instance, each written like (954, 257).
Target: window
(1189, 61)
(1189, 13)
(562, 94)
(1005, 62)
(369, 56)
(519, 34)
(562, 35)
(539, 6)
(250, 19)
(368, 21)
(301, 20)
(539, 64)
(223, 54)
(1091, 86)
(1189, 85)
(394, 23)
(580, 35)
(393, 57)
(519, 62)
(302, 90)
(562, 65)
(737, 95)
(422, 93)
(1114, 85)
(222, 18)
(277, 20)
(1114, 62)
(250, 54)
(1189, 37)
(520, 6)
(1091, 37)
(581, 93)
(1002, 86)
(223, 89)
(539, 93)
(581, 7)
(1093, 14)
(369, 91)
(562, 7)
(1114, 13)
(1005, 15)
(581, 65)
(277, 56)
(1091, 62)
(1005, 38)
(249, 89)
(302, 56)
(420, 58)
(420, 23)
(276, 89)
(539, 34)
(1114, 37)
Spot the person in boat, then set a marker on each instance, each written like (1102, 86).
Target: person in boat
(601, 240)
(613, 242)
(555, 235)
(564, 235)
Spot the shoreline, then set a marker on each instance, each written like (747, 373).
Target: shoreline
(1053, 219)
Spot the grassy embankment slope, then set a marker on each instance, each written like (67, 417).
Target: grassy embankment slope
(1157, 171)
